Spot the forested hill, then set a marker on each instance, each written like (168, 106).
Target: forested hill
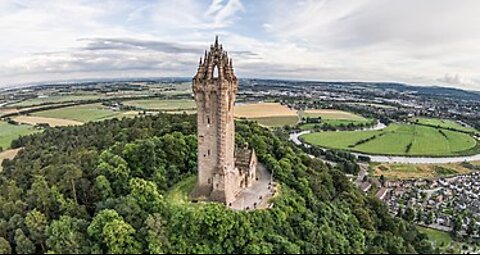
(101, 188)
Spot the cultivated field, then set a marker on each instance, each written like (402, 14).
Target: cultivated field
(8, 154)
(7, 111)
(52, 122)
(443, 123)
(57, 99)
(9, 132)
(165, 105)
(397, 139)
(83, 113)
(328, 114)
(277, 121)
(411, 171)
(261, 110)
(267, 114)
(334, 118)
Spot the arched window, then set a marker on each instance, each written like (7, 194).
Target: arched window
(216, 71)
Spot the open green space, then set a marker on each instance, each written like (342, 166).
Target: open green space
(82, 113)
(180, 193)
(335, 123)
(57, 99)
(276, 121)
(334, 118)
(439, 237)
(398, 139)
(331, 114)
(448, 124)
(161, 104)
(9, 132)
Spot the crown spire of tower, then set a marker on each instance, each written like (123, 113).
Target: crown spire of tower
(216, 41)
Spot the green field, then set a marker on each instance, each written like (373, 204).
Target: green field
(9, 132)
(395, 140)
(180, 193)
(443, 123)
(335, 123)
(57, 99)
(334, 118)
(160, 104)
(438, 237)
(331, 114)
(82, 113)
(276, 121)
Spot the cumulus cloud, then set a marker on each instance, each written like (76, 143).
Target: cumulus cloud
(363, 40)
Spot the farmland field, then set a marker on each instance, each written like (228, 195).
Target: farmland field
(52, 122)
(159, 104)
(261, 110)
(335, 123)
(57, 99)
(9, 132)
(410, 171)
(397, 139)
(267, 114)
(331, 117)
(8, 154)
(331, 114)
(443, 123)
(276, 121)
(83, 113)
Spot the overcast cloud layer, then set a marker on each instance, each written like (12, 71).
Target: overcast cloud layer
(427, 42)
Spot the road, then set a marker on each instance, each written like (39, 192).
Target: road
(256, 196)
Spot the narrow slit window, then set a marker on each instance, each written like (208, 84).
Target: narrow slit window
(216, 72)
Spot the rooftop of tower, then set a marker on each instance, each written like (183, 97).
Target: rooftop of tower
(215, 63)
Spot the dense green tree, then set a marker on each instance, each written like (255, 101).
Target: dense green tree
(155, 234)
(105, 187)
(68, 235)
(5, 247)
(36, 223)
(409, 214)
(23, 245)
(113, 235)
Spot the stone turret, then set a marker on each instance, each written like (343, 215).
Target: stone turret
(215, 86)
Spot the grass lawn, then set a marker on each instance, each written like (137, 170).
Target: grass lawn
(82, 113)
(9, 132)
(395, 139)
(411, 171)
(438, 237)
(443, 123)
(276, 121)
(159, 104)
(180, 193)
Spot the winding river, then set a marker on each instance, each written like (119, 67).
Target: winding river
(295, 137)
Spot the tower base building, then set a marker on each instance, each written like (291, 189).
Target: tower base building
(223, 170)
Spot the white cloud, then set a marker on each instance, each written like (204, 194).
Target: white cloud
(370, 40)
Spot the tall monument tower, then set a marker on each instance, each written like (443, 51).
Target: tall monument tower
(215, 86)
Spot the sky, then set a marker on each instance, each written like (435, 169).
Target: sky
(427, 42)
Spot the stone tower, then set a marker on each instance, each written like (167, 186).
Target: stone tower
(215, 86)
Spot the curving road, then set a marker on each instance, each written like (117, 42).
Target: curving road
(295, 137)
